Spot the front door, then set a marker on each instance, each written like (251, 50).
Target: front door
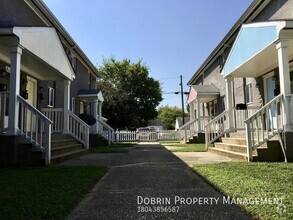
(270, 85)
(31, 88)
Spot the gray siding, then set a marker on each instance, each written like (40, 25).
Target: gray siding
(18, 13)
(276, 9)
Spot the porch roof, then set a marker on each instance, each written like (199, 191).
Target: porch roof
(205, 93)
(254, 51)
(43, 55)
(89, 95)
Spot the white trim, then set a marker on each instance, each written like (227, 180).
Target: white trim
(265, 77)
(248, 93)
(73, 104)
(51, 97)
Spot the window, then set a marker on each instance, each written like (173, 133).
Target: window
(73, 105)
(215, 102)
(51, 97)
(248, 93)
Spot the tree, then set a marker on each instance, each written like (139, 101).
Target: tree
(168, 116)
(131, 96)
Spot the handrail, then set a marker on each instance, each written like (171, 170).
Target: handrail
(193, 127)
(105, 130)
(264, 124)
(265, 106)
(33, 126)
(78, 128)
(188, 130)
(217, 127)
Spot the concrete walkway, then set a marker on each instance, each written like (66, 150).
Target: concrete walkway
(150, 183)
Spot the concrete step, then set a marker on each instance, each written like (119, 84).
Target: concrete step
(232, 140)
(227, 153)
(231, 147)
(68, 155)
(66, 148)
(238, 134)
(63, 142)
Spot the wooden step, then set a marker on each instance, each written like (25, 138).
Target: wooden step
(68, 155)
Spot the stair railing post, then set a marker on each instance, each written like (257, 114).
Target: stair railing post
(249, 141)
(47, 142)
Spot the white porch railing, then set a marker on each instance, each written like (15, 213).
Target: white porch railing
(217, 127)
(146, 136)
(241, 115)
(191, 128)
(264, 124)
(56, 116)
(168, 135)
(35, 127)
(125, 136)
(78, 129)
(3, 110)
(105, 130)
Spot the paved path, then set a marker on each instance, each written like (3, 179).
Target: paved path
(152, 173)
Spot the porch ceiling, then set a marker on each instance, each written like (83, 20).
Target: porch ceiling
(254, 52)
(90, 95)
(43, 56)
(205, 93)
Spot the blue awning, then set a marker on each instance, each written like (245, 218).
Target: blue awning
(254, 50)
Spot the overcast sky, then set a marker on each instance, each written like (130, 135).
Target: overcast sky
(172, 37)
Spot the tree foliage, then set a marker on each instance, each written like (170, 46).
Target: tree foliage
(168, 116)
(131, 95)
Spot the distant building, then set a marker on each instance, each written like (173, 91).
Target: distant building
(156, 124)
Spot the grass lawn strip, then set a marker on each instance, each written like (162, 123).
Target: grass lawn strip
(114, 148)
(254, 180)
(44, 192)
(178, 147)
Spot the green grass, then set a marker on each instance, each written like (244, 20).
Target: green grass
(114, 148)
(254, 180)
(178, 147)
(44, 192)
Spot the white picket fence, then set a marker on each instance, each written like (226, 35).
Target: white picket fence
(150, 136)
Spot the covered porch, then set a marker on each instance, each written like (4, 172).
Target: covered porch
(198, 99)
(265, 51)
(37, 54)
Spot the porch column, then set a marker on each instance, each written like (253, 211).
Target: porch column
(100, 114)
(95, 115)
(284, 74)
(66, 105)
(191, 110)
(198, 114)
(14, 84)
(229, 100)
